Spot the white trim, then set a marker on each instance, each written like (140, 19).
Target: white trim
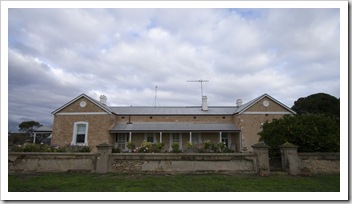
(74, 135)
(83, 113)
(263, 113)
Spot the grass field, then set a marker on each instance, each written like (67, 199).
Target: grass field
(86, 182)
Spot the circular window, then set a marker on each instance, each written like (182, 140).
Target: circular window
(83, 104)
(265, 103)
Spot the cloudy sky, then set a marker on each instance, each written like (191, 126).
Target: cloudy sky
(55, 55)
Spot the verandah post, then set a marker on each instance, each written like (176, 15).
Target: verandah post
(161, 137)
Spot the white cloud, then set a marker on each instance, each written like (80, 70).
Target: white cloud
(57, 54)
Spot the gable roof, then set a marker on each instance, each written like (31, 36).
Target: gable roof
(175, 110)
(99, 104)
(249, 104)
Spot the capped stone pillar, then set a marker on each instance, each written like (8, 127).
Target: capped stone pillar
(261, 150)
(104, 150)
(290, 160)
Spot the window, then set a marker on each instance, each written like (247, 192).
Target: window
(196, 138)
(80, 133)
(150, 137)
(121, 141)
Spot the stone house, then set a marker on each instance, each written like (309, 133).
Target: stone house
(87, 121)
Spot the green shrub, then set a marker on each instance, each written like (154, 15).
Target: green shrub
(209, 147)
(36, 148)
(30, 147)
(159, 146)
(130, 145)
(310, 132)
(116, 150)
(175, 147)
(145, 147)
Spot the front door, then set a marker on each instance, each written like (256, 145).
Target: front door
(121, 141)
(175, 137)
(225, 139)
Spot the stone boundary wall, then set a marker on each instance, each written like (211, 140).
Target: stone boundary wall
(174, 163)
(36, 162)
(168, 163)
(314, 163)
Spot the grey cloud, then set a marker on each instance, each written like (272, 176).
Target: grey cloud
(57, 54)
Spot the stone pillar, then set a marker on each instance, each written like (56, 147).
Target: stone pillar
(290, 161)
(104, 150)
(261, 150)
(130, 137)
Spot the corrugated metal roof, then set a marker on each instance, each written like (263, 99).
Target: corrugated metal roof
(44, 129)
(172, 127)
(191, 110)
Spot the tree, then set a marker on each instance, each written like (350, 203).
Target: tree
(319, 103)
(310, 132)
(28, 126)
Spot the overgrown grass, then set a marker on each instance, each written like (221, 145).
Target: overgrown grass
(87, 182)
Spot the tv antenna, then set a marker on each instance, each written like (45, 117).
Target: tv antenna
(155, 98)
(201, 84)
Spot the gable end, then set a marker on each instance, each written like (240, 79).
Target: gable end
(82, 104)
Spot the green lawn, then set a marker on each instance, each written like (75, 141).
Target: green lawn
(87, 182)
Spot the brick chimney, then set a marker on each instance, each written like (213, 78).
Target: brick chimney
(204, 103)
(103, 99)
(239, 102)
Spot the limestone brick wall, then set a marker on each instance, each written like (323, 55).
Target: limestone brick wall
(273, 106)
(98, 128)
(75, 107)
(250, 126)
(320, 162)
(251, 120)
(25, 162)
(183, 163)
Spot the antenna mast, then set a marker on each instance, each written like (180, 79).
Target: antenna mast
(201, 84)
(155, 98)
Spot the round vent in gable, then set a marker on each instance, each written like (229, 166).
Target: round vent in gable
(265, 103)
(83, 104)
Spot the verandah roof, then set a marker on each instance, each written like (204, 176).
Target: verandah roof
(174, 127)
